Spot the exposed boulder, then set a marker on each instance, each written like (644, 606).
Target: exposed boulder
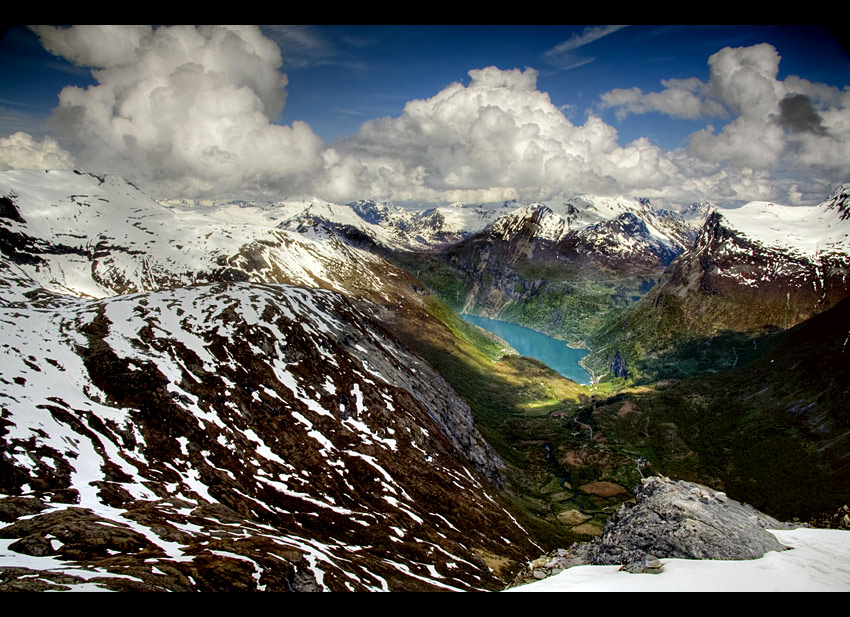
(618, 366)
(687, 521)
(669, 519)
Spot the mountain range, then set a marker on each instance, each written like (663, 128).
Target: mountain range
(753, 270)
(174, 406)
(274, 396)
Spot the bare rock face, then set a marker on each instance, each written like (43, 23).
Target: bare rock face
(669, 519)
(687, 521)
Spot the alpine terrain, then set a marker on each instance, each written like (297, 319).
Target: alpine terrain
(282, 396)
(193, 404)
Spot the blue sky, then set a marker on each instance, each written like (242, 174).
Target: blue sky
(349, 74)
(612, 85)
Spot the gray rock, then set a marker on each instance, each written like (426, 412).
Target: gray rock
(684, 520)
(670, 518)
(648, 564)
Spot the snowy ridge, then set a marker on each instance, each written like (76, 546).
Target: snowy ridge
(800, 247)
(97, 236)
(615, 227)
(804, 231)
(385, 224)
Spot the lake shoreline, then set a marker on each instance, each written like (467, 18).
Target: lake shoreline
(559, 355)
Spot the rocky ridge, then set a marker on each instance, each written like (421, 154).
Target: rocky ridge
(204, 424)
(753, 270)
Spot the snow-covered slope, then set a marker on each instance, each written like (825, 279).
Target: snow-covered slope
(614, 228)
(807, 232)
(173, 417)
(763, 245)
(273, 432)
(96, 236)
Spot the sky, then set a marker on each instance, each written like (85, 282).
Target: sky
(435, 114)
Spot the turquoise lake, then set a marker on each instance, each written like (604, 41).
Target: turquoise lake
(551, 352)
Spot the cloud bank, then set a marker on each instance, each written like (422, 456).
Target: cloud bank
(185, 109)
(21, 151)
(776, 124)
(497, 138)
(189, 112)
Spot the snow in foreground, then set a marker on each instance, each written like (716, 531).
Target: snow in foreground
(819, 561)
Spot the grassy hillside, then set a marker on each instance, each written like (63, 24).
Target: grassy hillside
(774, 432)
(528, 413)
(752, 413)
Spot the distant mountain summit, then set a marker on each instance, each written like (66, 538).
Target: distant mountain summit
(558, 267)
(753, 269)
(790, 261)
(839, 200)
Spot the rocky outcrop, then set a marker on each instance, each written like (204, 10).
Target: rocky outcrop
(669, 519)
(618, 367)
(684, 520)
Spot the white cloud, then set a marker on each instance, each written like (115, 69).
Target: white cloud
(588, 35)
(21, 151)
(90, 45)
(188, 112)
(501, 138)
(183, 108)
(681, 98)
(497, 138)
(775, 124)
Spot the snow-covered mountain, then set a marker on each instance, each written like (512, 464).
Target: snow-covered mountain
(791, 261)
(689, 221)
(613, 227)
(177, 415)
(431, 228)
(392, 227)
(753, 269)
(384, 225)
(96, 236)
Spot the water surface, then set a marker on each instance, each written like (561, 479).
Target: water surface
(552, 352)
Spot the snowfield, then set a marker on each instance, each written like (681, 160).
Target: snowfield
(819, 560)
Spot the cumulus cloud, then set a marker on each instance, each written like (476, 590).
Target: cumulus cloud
(502, 138)
(775, 124)
(497, 138)
(183, 109)
(681, 98)
(189, 112)
(21, 151)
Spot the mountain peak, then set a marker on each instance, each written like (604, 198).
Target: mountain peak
(839, 199)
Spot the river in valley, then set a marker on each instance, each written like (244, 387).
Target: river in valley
(552, 352)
